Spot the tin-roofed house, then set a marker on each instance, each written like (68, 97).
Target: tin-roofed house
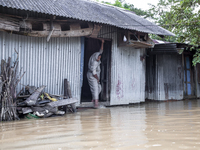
(170, 74)
(56, 38)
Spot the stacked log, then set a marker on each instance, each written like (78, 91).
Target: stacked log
(8, 85)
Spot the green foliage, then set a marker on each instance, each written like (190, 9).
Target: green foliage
(181, 17)
(117, 3)
(127, 6)
(106, 3)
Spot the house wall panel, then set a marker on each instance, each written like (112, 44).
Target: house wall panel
(127, 71)
(164, 77)
(45, 63)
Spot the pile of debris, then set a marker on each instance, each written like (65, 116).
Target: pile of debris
(41, 104)
(30, 101)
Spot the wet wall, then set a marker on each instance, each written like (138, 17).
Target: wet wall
(127, 71)
(164, 76)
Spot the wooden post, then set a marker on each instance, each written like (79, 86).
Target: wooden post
(65, 94)
(66, 88)
(68, 94)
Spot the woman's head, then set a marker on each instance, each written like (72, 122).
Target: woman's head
(99, 57)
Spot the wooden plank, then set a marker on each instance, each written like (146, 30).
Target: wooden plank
(63, 102)
(139, 44)
(95, 31)
(74, 33)
(33, 98)
(8, 23)
(26, 110)
(23, 96)
(14, 24)
(8, 27)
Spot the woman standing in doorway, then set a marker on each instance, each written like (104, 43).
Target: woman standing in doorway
(93, 75)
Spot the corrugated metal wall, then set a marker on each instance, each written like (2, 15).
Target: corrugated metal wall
(197, 84)
(164, 79)
(127, 71)
(48, 63)
(45, 63)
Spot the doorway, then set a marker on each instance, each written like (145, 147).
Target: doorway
(91, 46)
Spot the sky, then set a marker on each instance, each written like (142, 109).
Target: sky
(143, 4)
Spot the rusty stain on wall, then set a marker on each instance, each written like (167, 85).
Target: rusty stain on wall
(119, 90)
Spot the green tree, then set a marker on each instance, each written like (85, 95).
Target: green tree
(181, 17)
(118, 3)
(127, 6)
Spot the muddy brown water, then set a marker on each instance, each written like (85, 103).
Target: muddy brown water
(159, 126)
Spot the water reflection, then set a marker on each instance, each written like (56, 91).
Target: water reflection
(164, 125)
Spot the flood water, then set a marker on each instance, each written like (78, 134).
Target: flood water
(164, 125)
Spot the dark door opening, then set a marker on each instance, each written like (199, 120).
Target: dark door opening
(92, 46)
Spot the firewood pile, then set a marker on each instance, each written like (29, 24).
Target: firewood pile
(30, 101)
(9, 80)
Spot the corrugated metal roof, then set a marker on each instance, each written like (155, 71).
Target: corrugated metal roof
(88, 11)
(165, 48)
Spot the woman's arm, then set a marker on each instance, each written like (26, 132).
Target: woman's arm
(102, 44)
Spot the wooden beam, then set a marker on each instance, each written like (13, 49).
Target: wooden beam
(95, 31)
(8, 23)
(140, 44)
(56, 33)
(8, 27)
(26, 27)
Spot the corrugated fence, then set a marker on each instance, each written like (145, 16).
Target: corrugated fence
(45, 63)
